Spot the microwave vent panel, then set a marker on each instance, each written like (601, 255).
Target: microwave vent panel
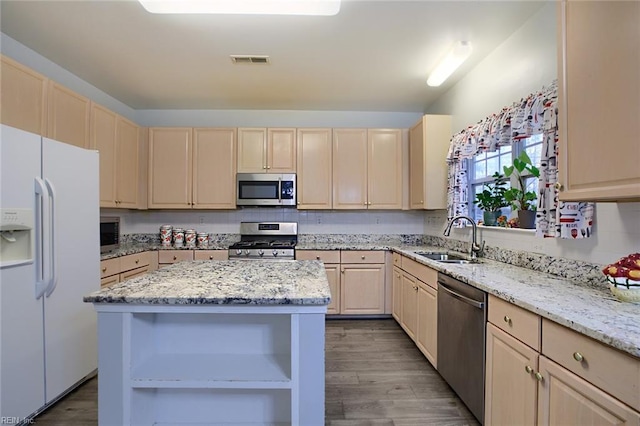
(249, 59)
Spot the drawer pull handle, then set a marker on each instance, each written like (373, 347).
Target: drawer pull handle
(578, 356)
(538, 376)
(137, 261)
(104, 269)
(175, 257)
(507, 319)
(528, 369)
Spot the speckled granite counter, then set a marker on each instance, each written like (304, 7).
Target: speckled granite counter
(224, 283)
(591, 310)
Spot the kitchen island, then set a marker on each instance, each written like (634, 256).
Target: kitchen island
(214, 343)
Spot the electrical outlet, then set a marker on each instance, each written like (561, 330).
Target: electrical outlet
(201, 219)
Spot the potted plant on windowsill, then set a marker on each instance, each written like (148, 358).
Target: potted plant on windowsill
(491, 199)
(523, 201)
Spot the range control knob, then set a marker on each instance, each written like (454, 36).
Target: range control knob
(275, 253)
(246, 252)
(260, 253)
(238, 252)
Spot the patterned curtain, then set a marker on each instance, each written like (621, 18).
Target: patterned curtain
(535, 114)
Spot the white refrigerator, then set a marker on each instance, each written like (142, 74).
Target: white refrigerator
(48, 336)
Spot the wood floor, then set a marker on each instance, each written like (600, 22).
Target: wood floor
(375, 375)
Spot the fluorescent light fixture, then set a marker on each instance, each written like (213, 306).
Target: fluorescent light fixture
(244, 7)
(449, 63)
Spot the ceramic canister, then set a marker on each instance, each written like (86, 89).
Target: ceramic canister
(178, 237)
(166, 235)
(190, 238)
(203, 240)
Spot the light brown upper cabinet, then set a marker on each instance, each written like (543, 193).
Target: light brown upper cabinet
(68, 116)
(429, 142)
(314, 169)
(116, 138)
(262, 150)
(170, 168)
(192, 168)
(214, 168)
(22, 97)
(599, 100)
(367, 169)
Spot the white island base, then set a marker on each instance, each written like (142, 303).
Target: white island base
(210, 364)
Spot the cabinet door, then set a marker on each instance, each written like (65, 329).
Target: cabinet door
(333, 276)
(23, 101)
(68, 116)
(109, 281)
(428, 145)
(214, 168)
(427, 333)
(566, 399)
(170, 168)
(281, 150)
(384, 168)
(511, 388)
(103, 138)
(362, 289)
(314, 169)
(396, 294)
(599, 103)
(134, 273)
(252, 150)
(128, 148)
(350, 169)
(409, 305)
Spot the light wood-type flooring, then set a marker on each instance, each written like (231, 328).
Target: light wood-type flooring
(375, 375)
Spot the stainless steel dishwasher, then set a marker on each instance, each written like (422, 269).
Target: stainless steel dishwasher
(462, 319)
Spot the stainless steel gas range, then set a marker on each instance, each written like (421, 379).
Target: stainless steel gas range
(265, 241)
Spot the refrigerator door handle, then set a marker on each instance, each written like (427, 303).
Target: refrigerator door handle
(42, 252)
(53, 243)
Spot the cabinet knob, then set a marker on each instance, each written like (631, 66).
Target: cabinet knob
(317, 257)
(558, 186)
(342, 271)
(578, 356)
(264, 167)
(298, 202)
(210, 257)
(362, 257)
(137, 261)
(507, 319)
(528, 369)
(416, 288)
(268, 167)
(538, 376)
(104, 269)
(421, 201)
(175, 257)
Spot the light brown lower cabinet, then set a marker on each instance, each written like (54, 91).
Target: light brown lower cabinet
(396, 292)
(331, 260)
(409, 294)
(362, 282)
(116, 270)
(571, 380)
(210, 255)
(427, 332)
(169, 257)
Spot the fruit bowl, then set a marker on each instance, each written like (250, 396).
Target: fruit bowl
(624, 289)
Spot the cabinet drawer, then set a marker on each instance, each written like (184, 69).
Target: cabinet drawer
(134, 273)
(397, 260)
(109, 267)
(421, 272)
(173, 256)
(326, 256)
(210, 255)
(109, 281)
(359, 256)
(520, 323)
(605, 367)
(134, 261)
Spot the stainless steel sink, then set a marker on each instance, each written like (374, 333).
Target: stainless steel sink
(443, 257)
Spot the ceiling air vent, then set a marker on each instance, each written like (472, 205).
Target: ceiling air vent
(249, 59)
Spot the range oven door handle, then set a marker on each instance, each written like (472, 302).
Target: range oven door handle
(464, 299)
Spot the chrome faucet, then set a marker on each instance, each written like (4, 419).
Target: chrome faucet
(475, 248)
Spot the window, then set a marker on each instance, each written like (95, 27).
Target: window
(484, 165)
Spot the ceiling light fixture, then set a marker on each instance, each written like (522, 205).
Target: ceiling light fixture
(449, 63)
(244, 7)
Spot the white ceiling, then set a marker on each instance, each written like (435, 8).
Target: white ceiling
(372, 56)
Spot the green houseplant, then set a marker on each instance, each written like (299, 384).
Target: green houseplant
(523, 201)
(492, 199)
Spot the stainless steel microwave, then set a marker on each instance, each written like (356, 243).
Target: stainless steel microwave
(109, 233)
(266, 189)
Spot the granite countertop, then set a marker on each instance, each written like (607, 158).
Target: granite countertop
(592, 311)
(294, 282)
